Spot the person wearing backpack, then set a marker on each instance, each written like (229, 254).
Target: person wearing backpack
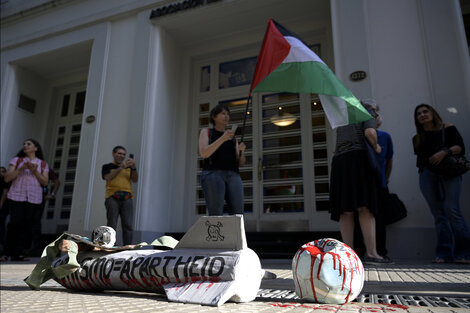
(27, 172)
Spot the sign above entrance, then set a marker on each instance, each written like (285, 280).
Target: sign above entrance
(179, 6)
(357, 75)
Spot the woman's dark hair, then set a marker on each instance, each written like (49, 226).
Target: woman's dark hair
(39, 153)
(216, 110)
(436, 118)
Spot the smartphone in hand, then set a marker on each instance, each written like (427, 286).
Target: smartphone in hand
(131, 156)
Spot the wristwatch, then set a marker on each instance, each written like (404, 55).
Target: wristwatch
(447, 151)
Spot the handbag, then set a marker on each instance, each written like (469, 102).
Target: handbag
(451, 165)
(392, 209)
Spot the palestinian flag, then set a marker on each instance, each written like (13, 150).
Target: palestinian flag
(287, 64)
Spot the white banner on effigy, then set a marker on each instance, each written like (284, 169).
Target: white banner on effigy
(210, 265)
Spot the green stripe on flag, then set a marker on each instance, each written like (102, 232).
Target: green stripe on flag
(314, 77)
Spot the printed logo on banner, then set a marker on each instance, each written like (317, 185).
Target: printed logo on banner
(214, 231)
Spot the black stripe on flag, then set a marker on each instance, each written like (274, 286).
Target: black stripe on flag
(285, 32)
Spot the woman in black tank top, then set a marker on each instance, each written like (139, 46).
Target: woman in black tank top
(434, 141)
(222, 156)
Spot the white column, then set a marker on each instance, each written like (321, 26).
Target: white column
(351, 44)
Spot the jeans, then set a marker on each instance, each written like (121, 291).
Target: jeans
(443, 196)
(219, 185)
(124, 208)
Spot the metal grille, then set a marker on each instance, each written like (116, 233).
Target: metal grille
(429, 301)
(409, 300)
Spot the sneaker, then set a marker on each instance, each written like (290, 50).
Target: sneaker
(376, 261)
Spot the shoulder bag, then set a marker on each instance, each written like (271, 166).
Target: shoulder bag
(392, 208)
(451, 165)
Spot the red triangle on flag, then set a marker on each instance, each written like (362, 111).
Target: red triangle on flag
(274, 50)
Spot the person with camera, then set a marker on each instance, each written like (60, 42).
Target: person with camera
(27, 172)
(119, 176)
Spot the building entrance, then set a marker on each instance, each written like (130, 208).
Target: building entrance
(286, 176)
(66, 140)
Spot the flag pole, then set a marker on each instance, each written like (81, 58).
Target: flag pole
(244, 118)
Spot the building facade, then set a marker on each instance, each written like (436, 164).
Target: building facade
(82, 76)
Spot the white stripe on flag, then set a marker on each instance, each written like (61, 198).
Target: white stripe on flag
(335, 109)
(299, 52)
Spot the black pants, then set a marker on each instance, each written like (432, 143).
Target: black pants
(123, 208)
(20, 226)
(4, 212)
(36, 229)
(380, 232)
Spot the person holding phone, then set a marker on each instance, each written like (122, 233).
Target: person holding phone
(119, 176)
(27, 172)
(222, 154)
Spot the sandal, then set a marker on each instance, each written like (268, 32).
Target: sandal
(440, 260)
(376, 261)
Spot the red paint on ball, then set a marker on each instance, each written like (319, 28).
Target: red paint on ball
(317, 251)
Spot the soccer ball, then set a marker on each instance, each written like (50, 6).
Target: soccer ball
(327, 271)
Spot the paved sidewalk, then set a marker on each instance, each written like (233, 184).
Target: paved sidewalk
(402, 287)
